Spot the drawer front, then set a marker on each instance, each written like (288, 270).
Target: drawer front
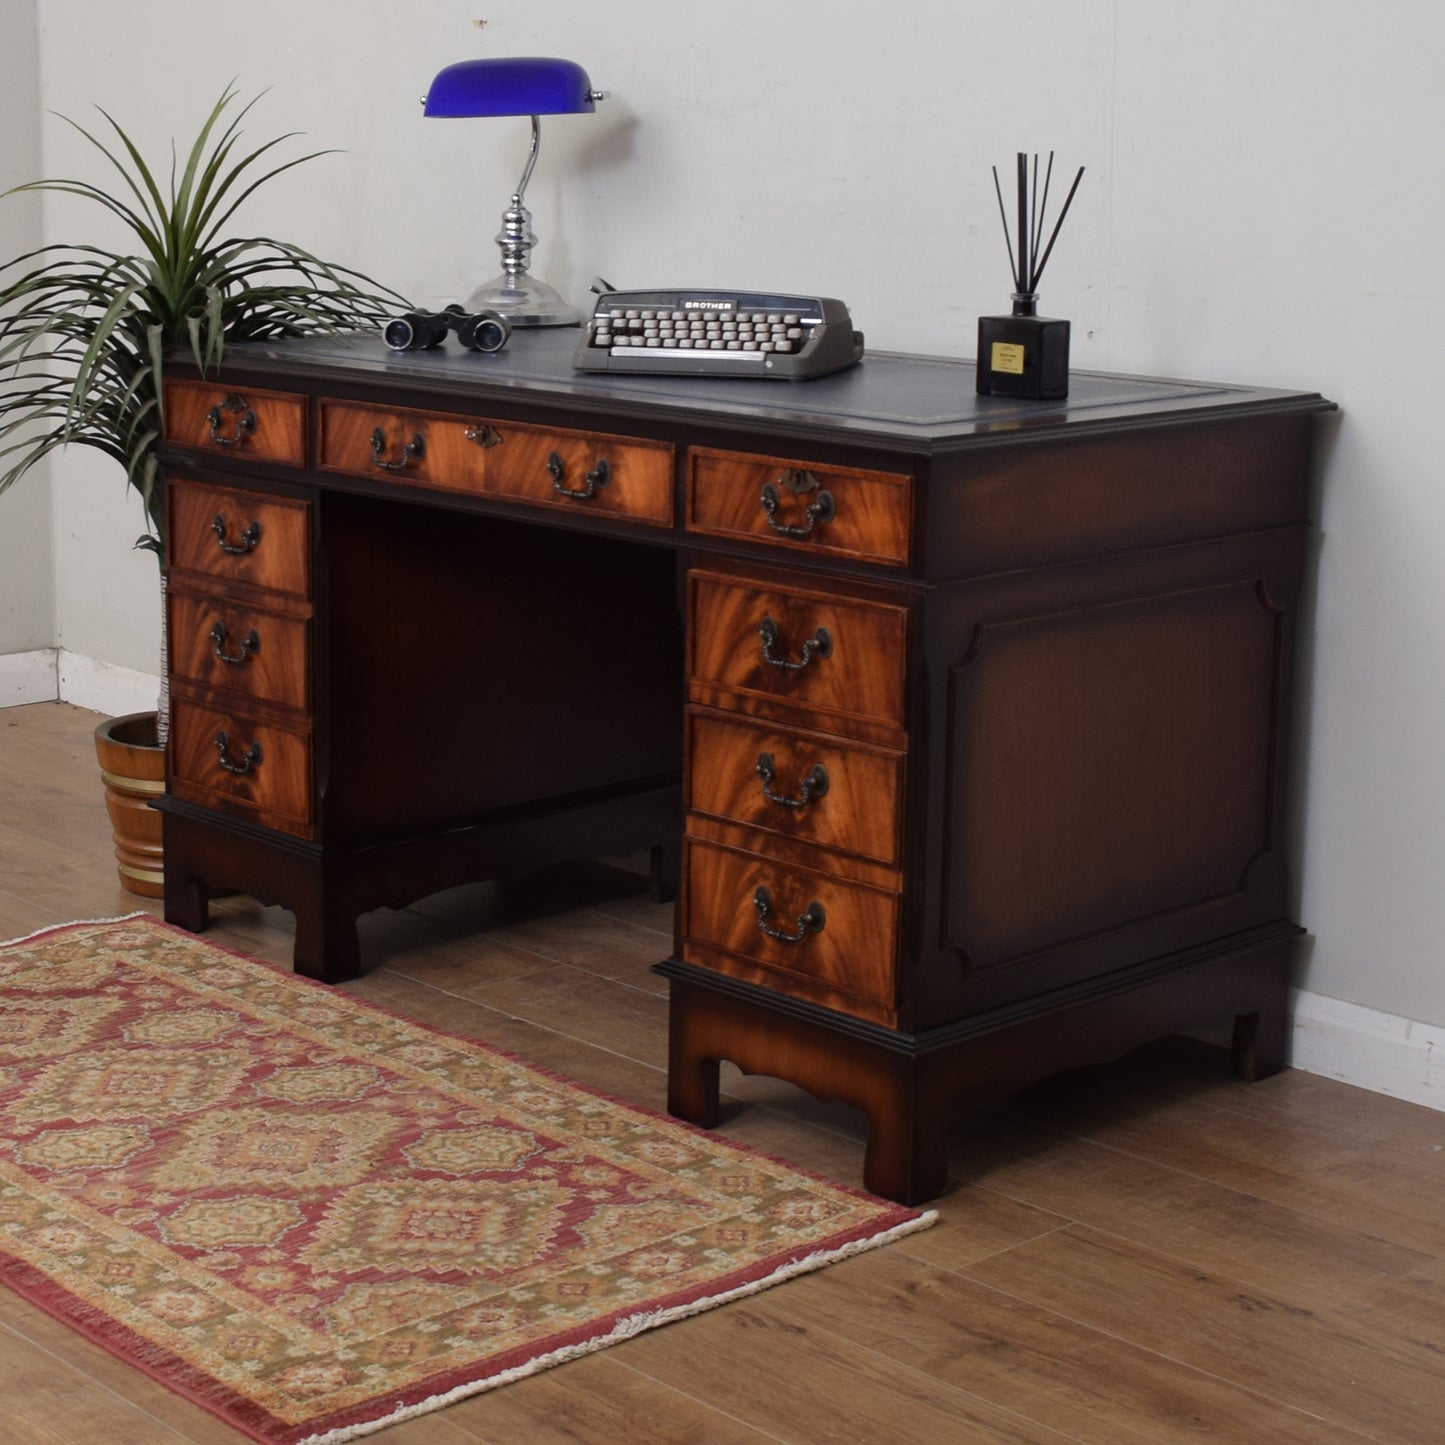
(792, 922)
(262, 425)
(580, 472)
(238, 764)
(245, 650)
(807, 786)
(241, 536)
(821, 653)
(836, 511)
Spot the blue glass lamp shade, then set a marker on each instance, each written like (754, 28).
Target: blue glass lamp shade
(524, 85)
(527, 85)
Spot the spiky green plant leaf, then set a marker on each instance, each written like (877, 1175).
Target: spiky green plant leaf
(84, 331)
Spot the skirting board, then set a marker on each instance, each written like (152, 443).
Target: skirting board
(103, 687)
(29, 677)
(51, 674)
(1338, 1040)
(1370, 1049)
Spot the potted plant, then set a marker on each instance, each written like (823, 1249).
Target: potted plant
(84, 334)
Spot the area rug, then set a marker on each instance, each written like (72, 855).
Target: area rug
(315, 1217)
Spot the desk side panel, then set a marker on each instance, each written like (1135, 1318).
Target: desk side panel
(1107, 761)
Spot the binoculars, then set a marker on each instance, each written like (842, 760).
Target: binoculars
(421, 330)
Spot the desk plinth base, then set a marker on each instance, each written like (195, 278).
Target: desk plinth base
(911, 1085)
(328, 889)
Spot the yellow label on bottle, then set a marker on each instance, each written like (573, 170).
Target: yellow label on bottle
(1007, 356)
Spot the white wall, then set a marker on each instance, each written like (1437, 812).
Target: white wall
(27, 617)
(1262, 204)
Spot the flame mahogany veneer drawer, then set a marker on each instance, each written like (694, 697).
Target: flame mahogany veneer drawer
(260, 425)
(837, 511)
(807, 786)
(814, 651)
(570, 470)
(252, 651)
(235, 535)
(838, 938)
(241, 764)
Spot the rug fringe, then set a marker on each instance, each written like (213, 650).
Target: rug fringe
(625, 1329)
(77, 923)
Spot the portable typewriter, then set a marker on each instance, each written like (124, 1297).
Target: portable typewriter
(719, 333)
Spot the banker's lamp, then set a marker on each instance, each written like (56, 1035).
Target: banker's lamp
(534, 86)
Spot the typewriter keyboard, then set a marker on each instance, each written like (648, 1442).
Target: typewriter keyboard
(718, 333)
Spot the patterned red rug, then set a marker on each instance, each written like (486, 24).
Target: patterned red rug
(314, 1217)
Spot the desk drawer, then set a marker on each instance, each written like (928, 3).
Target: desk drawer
(805, 926)
(582, 472)
(261, 425)
(837, 511)
(246, 650)
(241, 765)
(809, 786)
(820, 653)
(241, 536)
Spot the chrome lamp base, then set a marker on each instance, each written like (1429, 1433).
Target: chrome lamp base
(523, 300)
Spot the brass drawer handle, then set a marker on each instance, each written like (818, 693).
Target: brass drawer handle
(250, 644)
(819, 645)
(592, 483)
(811, 920)
(250, 759)
(820, 509)
(244, 425)
(412, 451)
(814, 784)
(248, 541)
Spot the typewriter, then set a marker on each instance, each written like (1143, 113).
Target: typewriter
(719, 333)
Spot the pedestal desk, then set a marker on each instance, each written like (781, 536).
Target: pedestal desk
(960, 726)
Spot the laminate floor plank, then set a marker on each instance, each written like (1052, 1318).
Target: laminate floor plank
(56, 1385)
(1188, 1071)
(459, 963)
(46, 744)
(1345, 1179)
(598, 1400)
(806, 1385)
(19, 917)
(584, 1007)
(48, 872)
(595, 942)
(1040, 1365)
(977, 1221)
(1213, 1225)
(1322, 1363)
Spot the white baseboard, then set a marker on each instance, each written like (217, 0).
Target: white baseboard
(1370, 1049)
(103, 687)
(27, 677)
(51, 674)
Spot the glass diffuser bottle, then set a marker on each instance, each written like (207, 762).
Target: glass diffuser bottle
(1024, 354)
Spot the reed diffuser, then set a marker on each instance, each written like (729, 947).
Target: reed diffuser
(1025, 354)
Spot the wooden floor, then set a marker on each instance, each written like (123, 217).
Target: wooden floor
(1148, 1252)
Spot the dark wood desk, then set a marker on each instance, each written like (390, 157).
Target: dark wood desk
(961, 725)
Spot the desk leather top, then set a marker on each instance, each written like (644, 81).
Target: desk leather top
(891, 398)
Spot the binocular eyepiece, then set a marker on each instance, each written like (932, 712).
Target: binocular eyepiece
(422, 330)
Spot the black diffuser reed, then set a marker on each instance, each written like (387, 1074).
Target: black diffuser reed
(1025, 354)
